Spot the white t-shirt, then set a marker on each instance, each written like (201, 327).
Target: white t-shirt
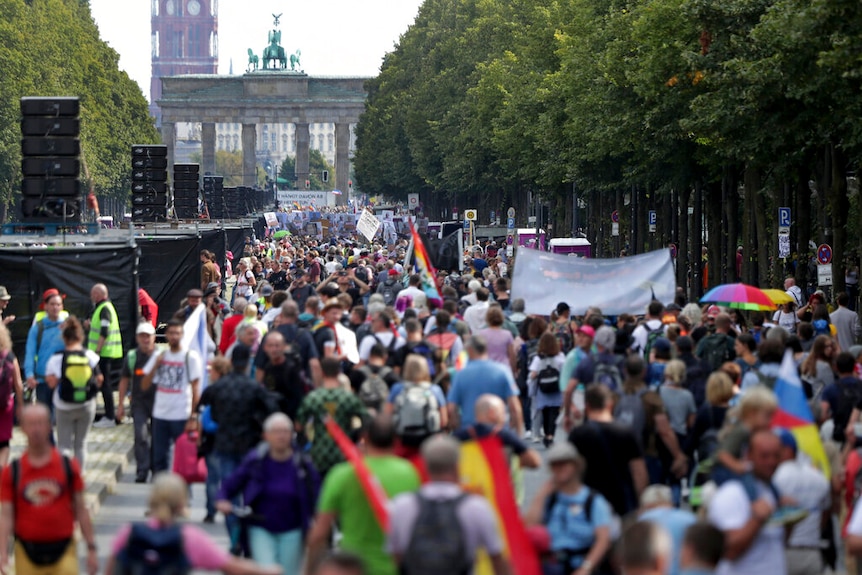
(54, 367)
(173, 379)
(640, 335)
(730, 509)
(243, 283)
(385, 338)
(810, 489)
(788, 321)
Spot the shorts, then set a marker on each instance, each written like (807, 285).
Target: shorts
(67, 565)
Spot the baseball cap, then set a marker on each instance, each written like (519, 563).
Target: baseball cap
(4, 294)
(562, 452)
(266, 290)
(212, 285)
(855, 350)
(587, 331)
(661, 344)
(145, 327)
(393, 272)
(194, 293)
(713, 311)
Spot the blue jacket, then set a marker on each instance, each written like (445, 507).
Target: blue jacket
(249, 480)
(35, 360)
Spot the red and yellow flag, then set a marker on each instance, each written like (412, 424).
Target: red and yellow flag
(485, 471)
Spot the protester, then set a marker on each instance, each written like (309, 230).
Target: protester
(481, 376)
(10, 389)
(281, 372)
(229, 325)
(839, 399)
(131, 377)
(343, 500)
(578, 519)
(280, 486)
(417, 406)
(42, 497)
(136, 546)
(5, 298)
(176, 373)
(817, 369)
(544, 384)
(645, 549)
(501, 343)
(616, 466)
(441, 528)
(709, 420)
(44, 340)
(569, 381)
(743, 509)
(75, 377)
(657, 506)
(717, 347)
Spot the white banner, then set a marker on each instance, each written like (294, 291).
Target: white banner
(622, 285)
(368, 225)
(304, 198)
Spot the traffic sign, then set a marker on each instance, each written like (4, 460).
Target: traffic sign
(510, 223)
(824, 254)
(615, 216)
(510, 240)
(412, 201)
(493, 216)
(673, 250)
(783, 245)
(470, 215)
(652, 220)
(783, 217)
(824, 275)
(615, 229)
(510, 213)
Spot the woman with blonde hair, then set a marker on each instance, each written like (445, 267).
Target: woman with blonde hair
(417, 380)
(10, 388)
(709, 420)
(167, 506)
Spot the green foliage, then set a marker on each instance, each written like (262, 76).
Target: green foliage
(317, 164)
(52, 48)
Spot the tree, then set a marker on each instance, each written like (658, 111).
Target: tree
(317, 164)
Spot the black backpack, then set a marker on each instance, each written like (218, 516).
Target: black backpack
(850, 396)
(437, 545)
(389, 290)
(77, 377)
(548, 378)
(153, 551)
(715, 350)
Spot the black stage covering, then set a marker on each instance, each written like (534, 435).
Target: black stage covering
(28, 272)
(167, 266)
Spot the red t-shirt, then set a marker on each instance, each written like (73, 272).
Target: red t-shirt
(44, 508)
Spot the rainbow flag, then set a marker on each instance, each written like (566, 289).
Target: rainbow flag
(370, 485)
(425, 268)
(485, 471)
(794, 414)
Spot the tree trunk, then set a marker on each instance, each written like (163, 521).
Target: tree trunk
(684, 252)
(697, 244)
(731, 218)
(839, 205)
(761, 231)
(751, 184)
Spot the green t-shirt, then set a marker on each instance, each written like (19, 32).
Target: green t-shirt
(342, 406)
(342, 495)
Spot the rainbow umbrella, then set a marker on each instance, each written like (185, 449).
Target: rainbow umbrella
(779, 297)
(739, 296)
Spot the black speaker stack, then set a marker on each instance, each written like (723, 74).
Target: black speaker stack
(232, 205)
(186, 190)
(214, 196)
(149, 183)
(50, 164)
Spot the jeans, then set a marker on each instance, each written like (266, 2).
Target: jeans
(141, 414)
(45, 396)
(549, 420)
(165, 433)
(227, 464)
(110, 368)
(284, 549)
(213, 482)
(73, 425)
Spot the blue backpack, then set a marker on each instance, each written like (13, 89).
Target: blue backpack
(153, 551)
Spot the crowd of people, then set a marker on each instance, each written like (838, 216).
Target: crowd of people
(658, 431)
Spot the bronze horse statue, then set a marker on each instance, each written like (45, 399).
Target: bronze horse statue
(274, 53)
(253, 61)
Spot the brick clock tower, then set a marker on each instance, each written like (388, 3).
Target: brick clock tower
(185, 41)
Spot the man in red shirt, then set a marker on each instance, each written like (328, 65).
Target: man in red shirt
(42, 496)
(228, 326)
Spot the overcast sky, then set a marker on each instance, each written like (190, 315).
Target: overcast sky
(336, 37)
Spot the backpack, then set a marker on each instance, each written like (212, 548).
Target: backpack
(563, 334)
(821, 327)
(390, 349)
(652, 335)
(715, 350)
(77, 378)
(609, 375)
(437, 544)
(630, 411)
(445, 341)
(767, 380)
(548, 378)
(374, 391)
(153, 551)
(389, 290)
(525, 358)
(416, 414)
(429, 352)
